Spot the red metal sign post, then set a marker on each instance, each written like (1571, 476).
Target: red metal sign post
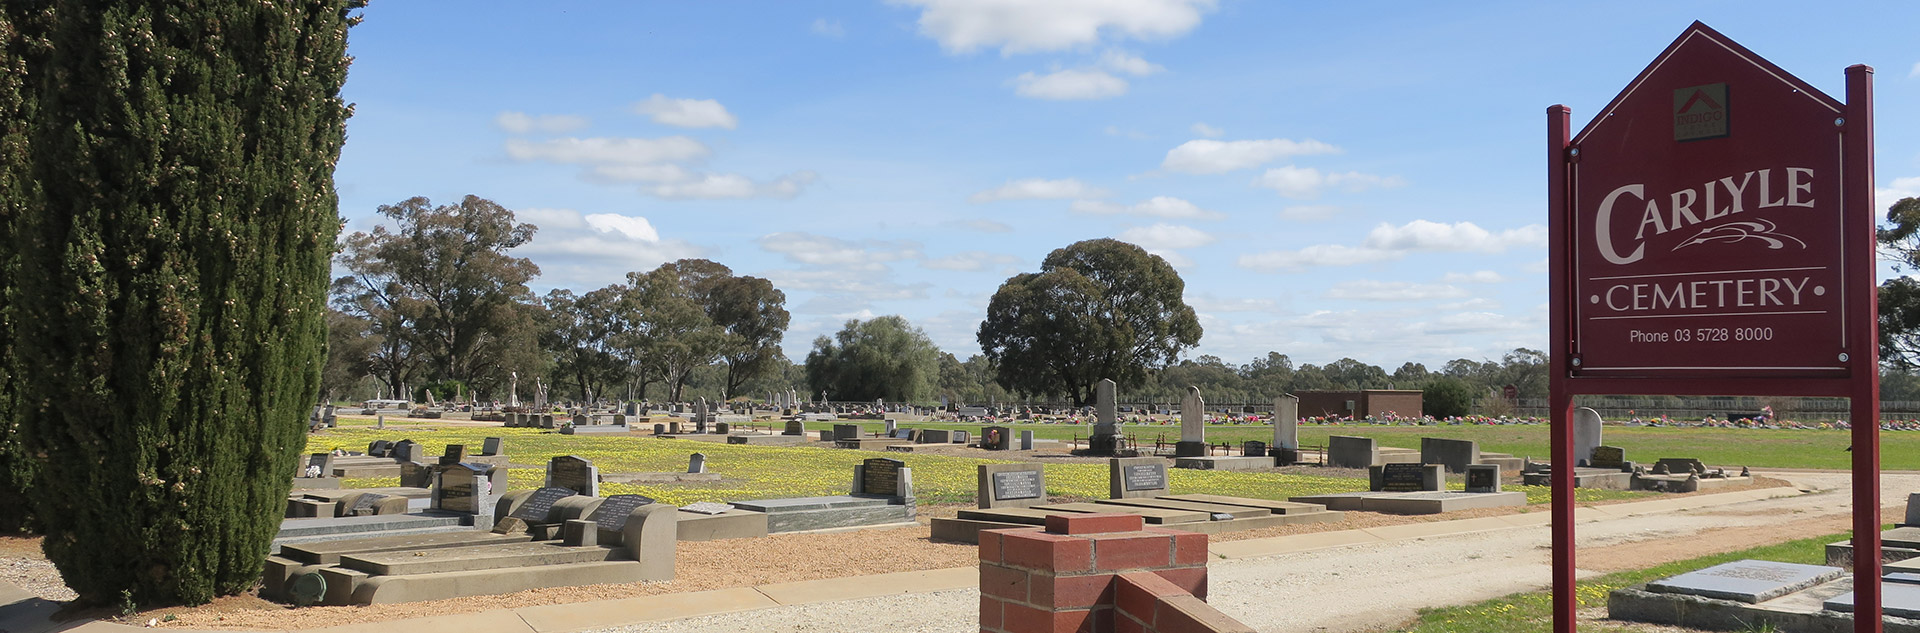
(1712, 234)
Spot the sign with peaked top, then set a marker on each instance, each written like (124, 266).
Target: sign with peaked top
(1709, 225)
(1711, 232)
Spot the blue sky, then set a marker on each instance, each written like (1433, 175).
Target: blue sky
(1332, 180)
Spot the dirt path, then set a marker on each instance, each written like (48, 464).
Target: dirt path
(1377, 586)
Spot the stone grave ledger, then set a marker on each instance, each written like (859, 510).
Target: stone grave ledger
(1749, 581)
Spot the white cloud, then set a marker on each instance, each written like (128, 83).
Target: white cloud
(1475, 277)
(829, 28)
(1310, 212)
(983, 226)
(1024, 26)
(820, 250)
(971, 261)
(1539, 266)
(1370, 290)
(712, 186)
(550, 219)
(522, 123)
(1210, 303)
(1207, 130)
(1915, 72)
(1037, 189)
(620, 151)
(1123, 62)
(1307, 182)
(1422, 235)
(842, 287)
(686, 112)
(633, 227)
(1157, 206)
(1162, 236)
(1311, 256)
(1070, 84)
(1476, 303)
(1901, 188)
(1206, 156)
(627, 172)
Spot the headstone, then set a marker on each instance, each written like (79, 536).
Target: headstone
(368, 504)
(1406, 477)
(1136, 477)
(416, 475)
(880, 476)
(846, 431)
(1586, 434)
(1253, 448)
(455, 454)
(721, 428)
(1913, 510)
(319, 465)
(1681, 465)
(1286, 422)
(1193, 417)
(996, 438)
(1483, 478)
(1749, 581)
(1012, 485)
(795, 427)
(1026, 439)
(700, 412)
(1455, 455)
(537, 505)
(659, 429)
(491, 448)
(1608, 457)
(463, 488)
(892, 425)
(935, 436)
(409, 451)
(575, 473)
(1345, 451)
(697, 463)
(379, 448)
(581, 419)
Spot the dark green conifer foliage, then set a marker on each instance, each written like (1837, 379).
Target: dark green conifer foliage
(168, 287)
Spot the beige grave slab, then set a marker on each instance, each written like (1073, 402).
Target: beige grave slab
(1152, 515)
(1276, 507)
(475, 558)
(1238, 512)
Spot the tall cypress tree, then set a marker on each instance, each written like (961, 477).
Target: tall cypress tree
(169, 286)
(23, 45)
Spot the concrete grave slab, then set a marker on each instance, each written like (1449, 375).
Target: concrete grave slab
(1749, 581)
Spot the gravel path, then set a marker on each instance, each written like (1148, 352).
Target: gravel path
(1315, 591)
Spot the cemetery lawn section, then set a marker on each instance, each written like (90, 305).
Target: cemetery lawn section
(1758, 448)
(1533, 612)
(767, 472)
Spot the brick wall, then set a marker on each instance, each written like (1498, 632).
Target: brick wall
(1096, 573)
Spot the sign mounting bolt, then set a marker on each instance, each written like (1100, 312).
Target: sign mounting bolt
(1576, 362)
(1843, 357)
(1837, 122)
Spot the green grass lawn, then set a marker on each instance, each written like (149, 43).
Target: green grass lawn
(1899, 450)
(1533, 612)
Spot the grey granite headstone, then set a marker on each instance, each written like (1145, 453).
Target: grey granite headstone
(491, 448)
(1455, 455)
(1749, 581)
(1483, 478)
(880, 476)
(416, 475)
(612, 513)
(1106, 411)
(697, 463)
(463, 488)
(1586, 434)
(846, 431)
(1344, 451)
(1136, 477)
(1026, 440)
(1011, 485)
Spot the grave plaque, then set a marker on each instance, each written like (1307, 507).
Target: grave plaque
(1483, 478)
(881, 476)
(1608, 457)
(1145, 476)
(460, 489)
(1016, 484)
(491, 447)
(573, 473)
(538, 504)
(1749, 581)
(414, 475)
(612, 513)
(1253, 448)
(455, 454)
(380, 448)
(1402, 478)
(319, 465)
(707, 507)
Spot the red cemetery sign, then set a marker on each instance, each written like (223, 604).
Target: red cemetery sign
(1712, 234)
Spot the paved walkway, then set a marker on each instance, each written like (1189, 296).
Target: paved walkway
(1306, 582)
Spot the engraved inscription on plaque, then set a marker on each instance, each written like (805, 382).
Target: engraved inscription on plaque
(1145, 476)
(537, 505)
(881, 476)
(1017, 484)
(1402, 478)
(366, 505)
(612, 513)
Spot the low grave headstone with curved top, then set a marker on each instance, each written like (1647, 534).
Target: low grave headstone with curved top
(575, 473)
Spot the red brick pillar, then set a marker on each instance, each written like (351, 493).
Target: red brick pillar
(1062, 579)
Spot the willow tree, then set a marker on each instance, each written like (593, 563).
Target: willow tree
(168, 288)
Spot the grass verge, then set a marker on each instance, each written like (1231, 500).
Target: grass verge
(1533, 612)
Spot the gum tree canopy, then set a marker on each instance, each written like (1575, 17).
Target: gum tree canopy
(1097, 309)
(168, 287)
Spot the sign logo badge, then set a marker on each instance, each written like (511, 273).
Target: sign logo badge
(1700, 112)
